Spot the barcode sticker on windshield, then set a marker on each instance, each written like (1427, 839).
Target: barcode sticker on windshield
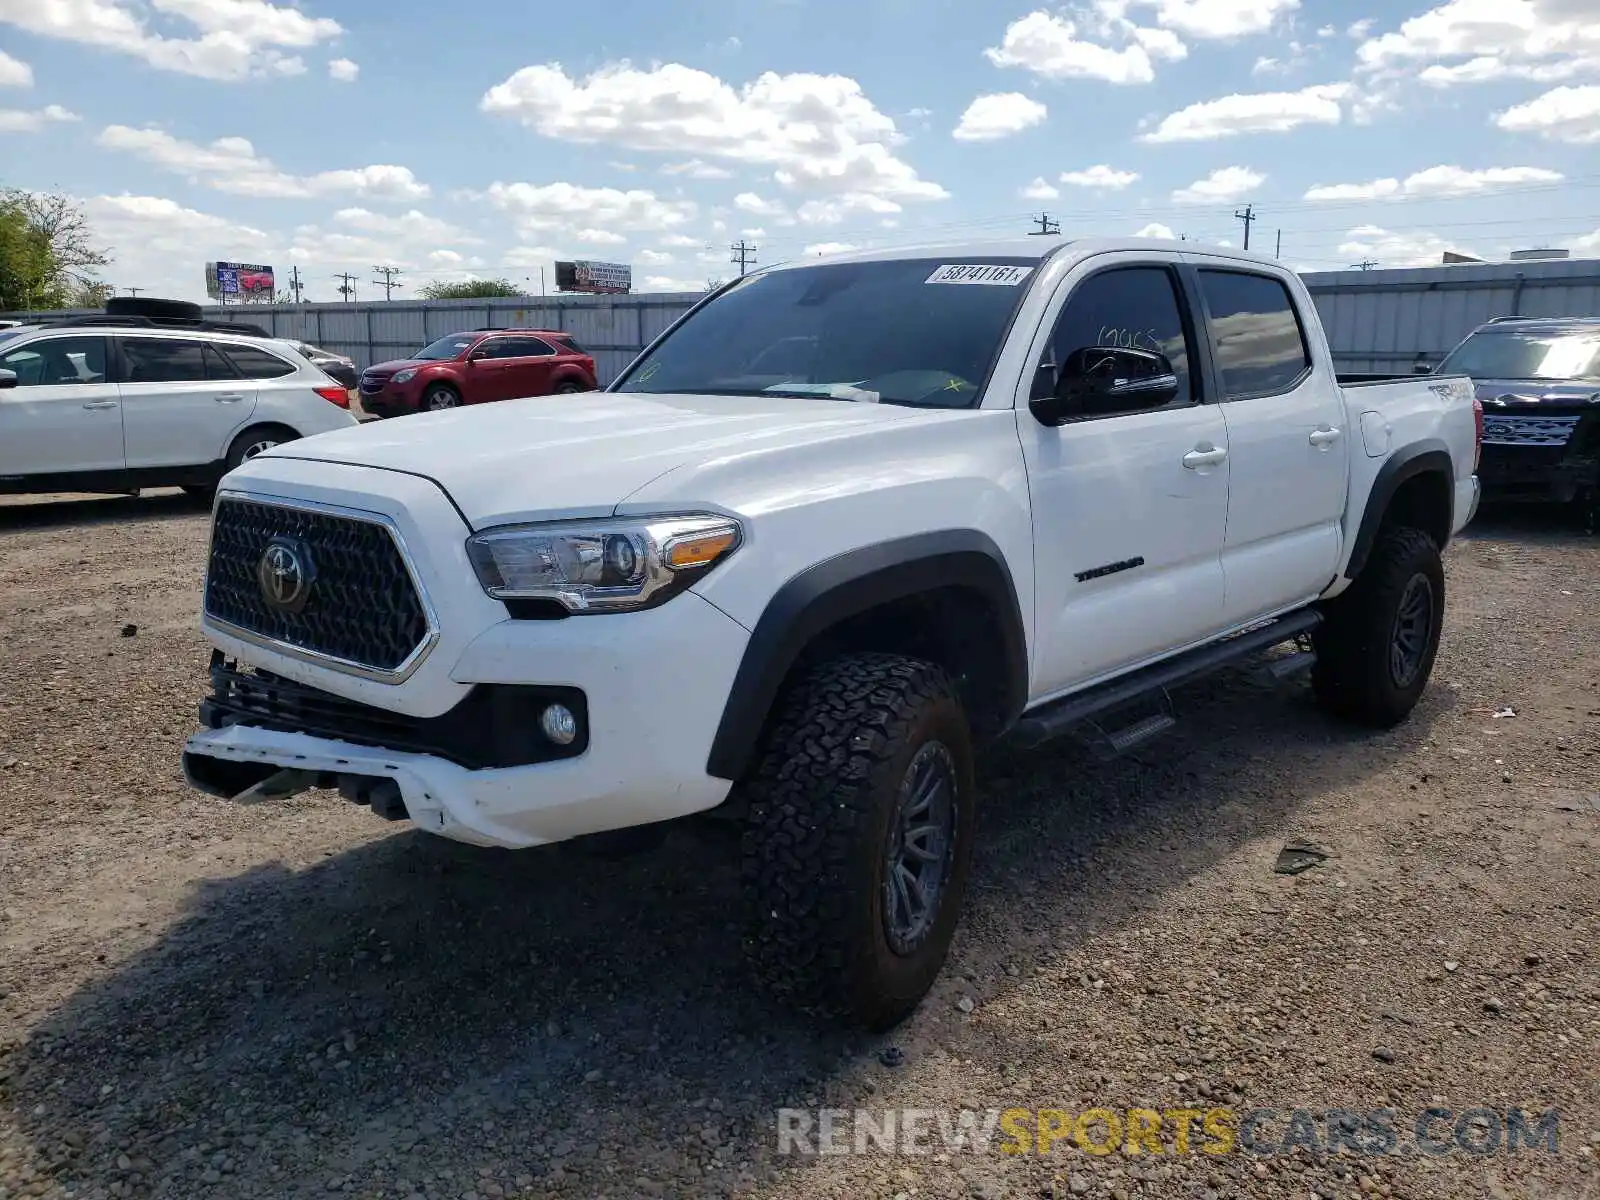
(998, 276)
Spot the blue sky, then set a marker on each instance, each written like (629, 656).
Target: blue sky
(494, 137)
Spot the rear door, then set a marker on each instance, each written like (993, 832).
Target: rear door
(182, 401)
(1288, 450)
(522, 366)
(65, 414)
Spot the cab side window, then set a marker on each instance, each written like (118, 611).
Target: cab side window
(1255, 332)
(1129, 308)
(56, 361)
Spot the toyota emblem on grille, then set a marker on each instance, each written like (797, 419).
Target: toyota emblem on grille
(285, 574)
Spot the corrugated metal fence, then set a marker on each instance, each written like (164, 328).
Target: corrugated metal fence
(1385, 321)
(612, 328)
(1377, 321)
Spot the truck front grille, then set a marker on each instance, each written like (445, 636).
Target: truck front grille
(359, 607)
(1527, 431)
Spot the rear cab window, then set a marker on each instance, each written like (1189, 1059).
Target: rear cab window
(1256, 333)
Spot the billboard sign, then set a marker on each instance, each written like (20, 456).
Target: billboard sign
(239, 283)
(594, 277)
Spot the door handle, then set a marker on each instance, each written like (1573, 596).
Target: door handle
(99, 403)
(231, 398)
(1325, 436)
(1204, 456)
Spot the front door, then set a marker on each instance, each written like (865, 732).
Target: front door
(1288, 450)
(1129, 510)
(64, 416)
(182, 402)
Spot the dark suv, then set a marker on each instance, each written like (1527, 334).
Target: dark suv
(1538, 379)
(478, 367)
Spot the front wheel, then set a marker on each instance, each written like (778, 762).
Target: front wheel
(439, 397)
(1377, 646)
(859, 839)
(567, 389)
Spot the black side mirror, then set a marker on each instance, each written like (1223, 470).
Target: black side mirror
(1099, 380)
(1421, 368)
(8, 379)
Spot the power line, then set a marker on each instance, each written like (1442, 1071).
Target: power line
(1248, 216)
(1046, 225)
(389, 281)
(742, 253)
(347, 285)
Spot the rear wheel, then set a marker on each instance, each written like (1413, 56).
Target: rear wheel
(439, 397)
(257, 441)
(859, 839)
(1376, 649)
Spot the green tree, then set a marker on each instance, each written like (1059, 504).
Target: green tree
(470, 289)
(47, 253)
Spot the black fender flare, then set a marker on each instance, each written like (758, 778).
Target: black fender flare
(848, 584)
(1429, 456)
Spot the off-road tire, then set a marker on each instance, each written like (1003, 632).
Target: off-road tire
(823, 798)
(1354, 677)
(440, 390)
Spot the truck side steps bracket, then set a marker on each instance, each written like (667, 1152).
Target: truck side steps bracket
(1113, 734)
(1070, 713)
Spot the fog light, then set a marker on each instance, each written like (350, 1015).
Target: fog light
(559, 725)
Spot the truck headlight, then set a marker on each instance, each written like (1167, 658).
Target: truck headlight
(405, 376)
(608, 565)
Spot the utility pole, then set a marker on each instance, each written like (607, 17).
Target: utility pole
(1046, 225)
(347, 285)
(1278, 253)
(1366, 264)
(1247, 216)
(743, 254)
(133, 291)
(388, 283)
(295, 285)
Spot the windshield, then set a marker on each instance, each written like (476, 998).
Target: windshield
(445, 347)
(910, 331)
(1507, 355)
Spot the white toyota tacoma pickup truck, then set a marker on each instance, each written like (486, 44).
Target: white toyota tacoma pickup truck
(844, 521)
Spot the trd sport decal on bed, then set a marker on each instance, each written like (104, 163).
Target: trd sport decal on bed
(995, 276)
(1126, 564)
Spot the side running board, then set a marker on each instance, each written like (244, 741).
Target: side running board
(1148, 684)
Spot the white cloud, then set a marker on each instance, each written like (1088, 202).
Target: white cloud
(1328, 31)
(1100, 176)
(819, 248)
(236, 39)
(668, 283)
(1376, 189)
(1221, 18)
(525, 257)
(1359, 29)
(446, 259)
(1437, 181)
(1260, 112)
(652, 258)
(1157, 230)
(343, 70)
(999, 115)
(1049, 45)
(1563, 114)
(1476, 41)
(680, 240)
(1222, 186)
(757, 206)
(1376, 244)
(599, 237)
(412, 226)
(1040, 190)
(14, 72)
(231, 164)
(817, 132)
(695, 169)
(160, 246)
(18, 120)
(832, 212)
(538, 209)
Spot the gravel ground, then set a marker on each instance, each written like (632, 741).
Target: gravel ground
(204, 1000)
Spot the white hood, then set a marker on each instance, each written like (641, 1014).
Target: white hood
(579, 455)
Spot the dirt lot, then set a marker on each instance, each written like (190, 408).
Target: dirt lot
(201, 1000)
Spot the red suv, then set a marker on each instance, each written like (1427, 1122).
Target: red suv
(475, 368)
